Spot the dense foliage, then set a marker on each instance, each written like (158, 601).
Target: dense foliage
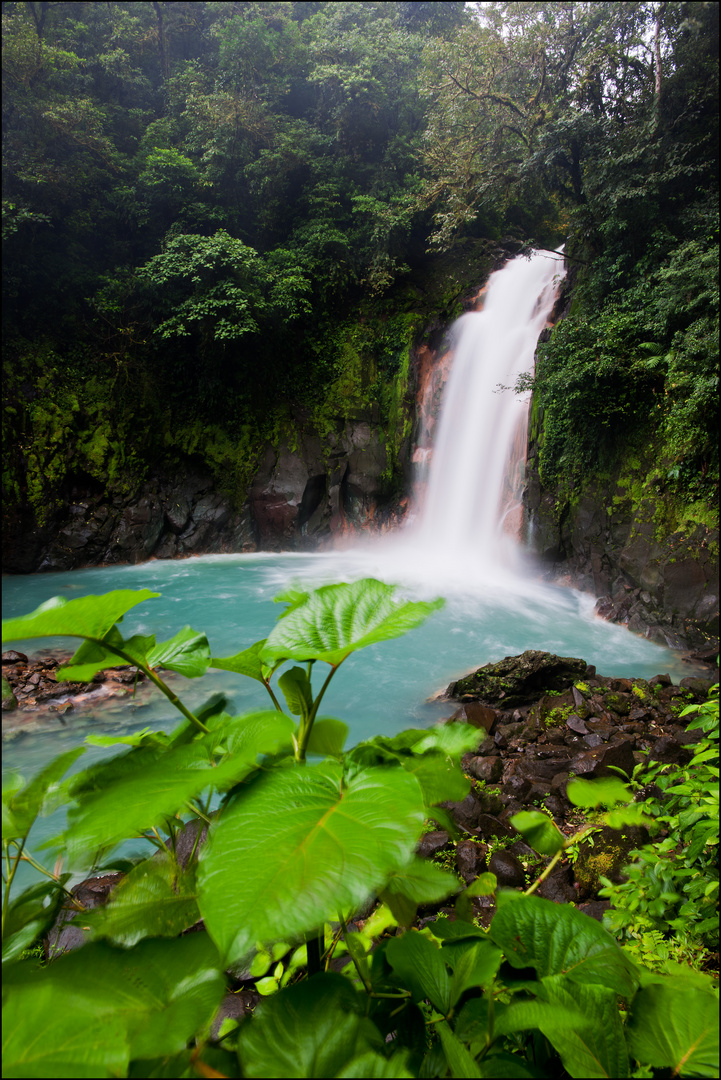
(294, 849)
(216, 211)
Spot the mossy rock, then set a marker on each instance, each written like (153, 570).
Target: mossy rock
(605, 854)
(617, 703)
(519, 680)
(9, 701)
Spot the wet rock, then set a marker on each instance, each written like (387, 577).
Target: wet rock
(516, 786)
(234, 1006)
(534, 769)
(558, 886)
(487, 769)
(470, 859)
(575, 723)
(67, 932)
(465, 813)
(188, 842)
(669, 751)
(607, 857)
(508, 869)
(595, 908)
(489, 826)
(177, 513)
(519, 680)
(432, 843)
(480, 716)
(598, 762)
(13, 657)
(698, 687)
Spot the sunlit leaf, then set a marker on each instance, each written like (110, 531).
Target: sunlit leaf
(188, 653)
(299, 846)
(246, 662)
(556, 939)
(606, 791)
(336, 620)
(675, 1026)
(539, 831)
(88, 616)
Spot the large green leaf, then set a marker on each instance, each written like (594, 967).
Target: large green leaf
(265, 732)
(153, 786)
(246, 662)
(88, 616)
(93, 656)
(539, 830)
(72, 1041)
(299, 846)
(459, 1060)
(595, 1046)
(30, 915)
(309, 1030)
(336, 620)
(556, 939)
(296, 689)
(605, 791)
(156, 899)
(421, 882)
(419, 967)
(99, 1004)
(440, 777)
(674, 1025)
(188, 653)
(474, 963)
(23, 804)
(327, 736)
(372, 1066)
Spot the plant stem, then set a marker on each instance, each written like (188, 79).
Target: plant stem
(545, 873)
(305, 734)
(273, 698)
(575, 839)
(12, 866)
(313, 946)
(163, 687)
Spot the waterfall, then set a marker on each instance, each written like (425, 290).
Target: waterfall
(469, 508)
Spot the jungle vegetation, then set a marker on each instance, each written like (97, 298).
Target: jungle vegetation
(220, 216)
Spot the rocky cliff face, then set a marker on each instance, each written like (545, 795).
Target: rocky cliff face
(302, 495)
(619, 541)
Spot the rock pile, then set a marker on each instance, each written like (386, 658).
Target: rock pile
(542, 718)
(31, 690)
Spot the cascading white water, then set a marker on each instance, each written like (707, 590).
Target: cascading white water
(462, 512)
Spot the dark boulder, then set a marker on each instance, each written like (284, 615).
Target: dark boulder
(508, 870)
(519, 680)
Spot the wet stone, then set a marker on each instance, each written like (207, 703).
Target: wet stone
(508, 869)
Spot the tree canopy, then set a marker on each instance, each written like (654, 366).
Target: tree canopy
(197, 194)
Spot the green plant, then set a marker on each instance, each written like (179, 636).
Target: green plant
(295, 847)
(673, 885)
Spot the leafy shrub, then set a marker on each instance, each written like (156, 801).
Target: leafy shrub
(673, 885)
